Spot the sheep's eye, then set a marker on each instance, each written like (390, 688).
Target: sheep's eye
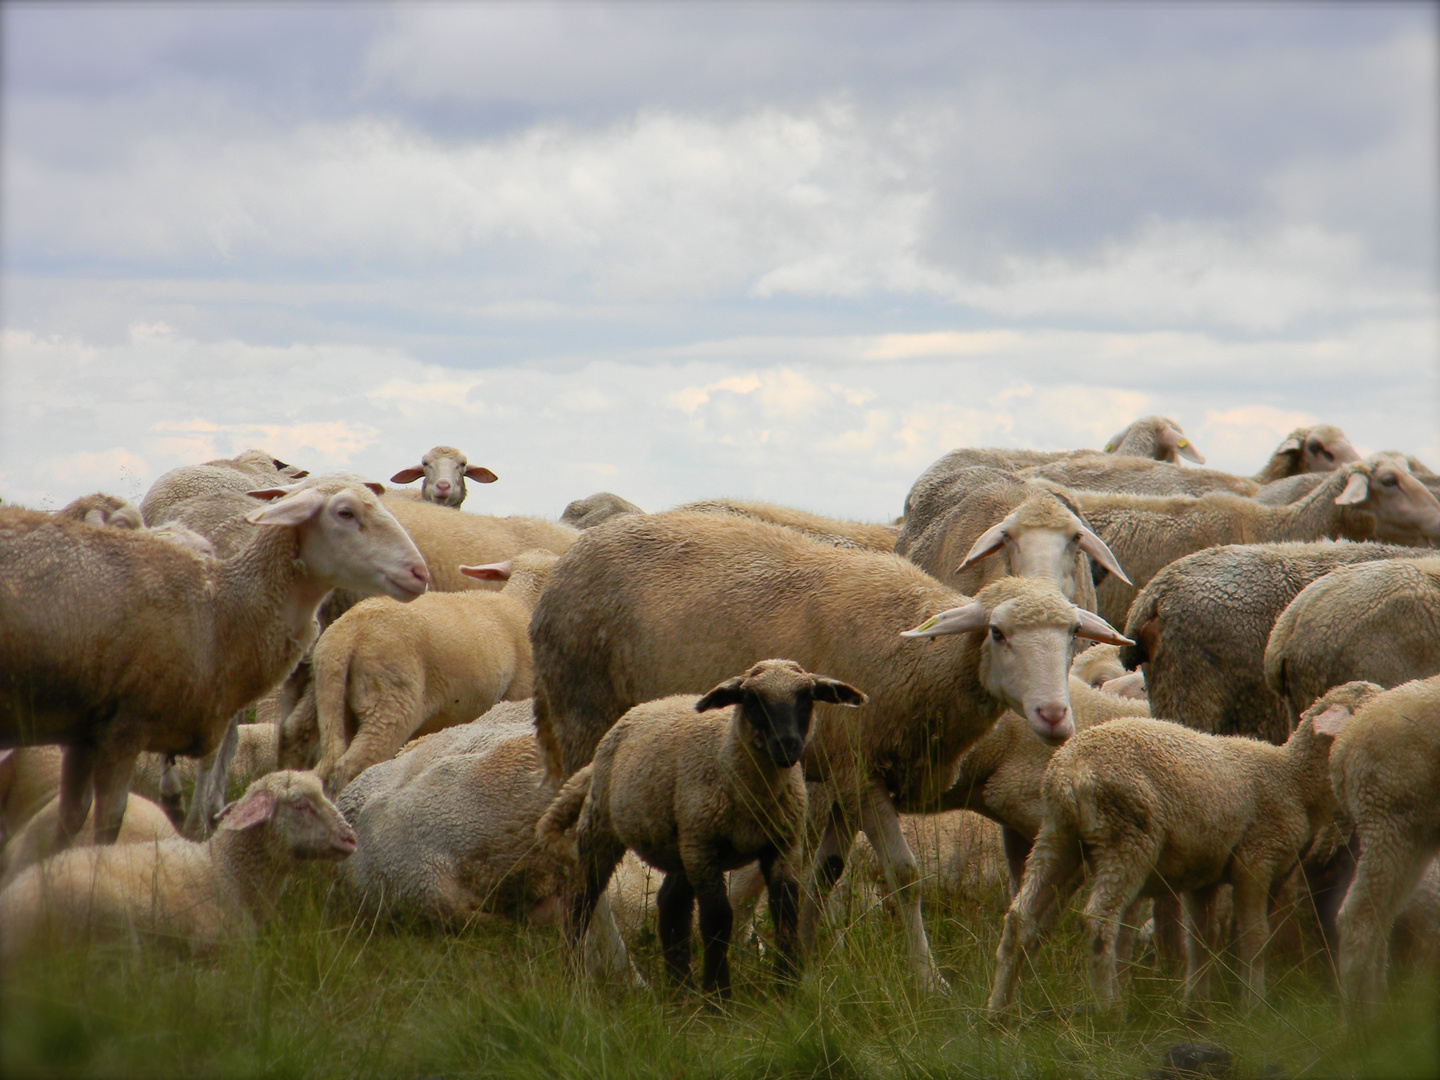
(345, 512)
(1389, 480)
(996, 634)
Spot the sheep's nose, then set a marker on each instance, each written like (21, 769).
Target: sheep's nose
(442, 486)
(1054, 715)
(421, 573)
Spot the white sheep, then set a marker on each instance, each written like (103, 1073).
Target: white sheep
(385, 673)
(113, 642)
(695, 797)
(1155, 809)
(144, 823)
(443, 472)
(179, 892)
(248, 471)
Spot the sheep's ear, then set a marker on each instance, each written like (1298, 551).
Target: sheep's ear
(1289, 446)
(1357, 490)
(955, 621)
(95, 517)
(407, 476)
(251, 809)
(378, 489)
(293, 508)
(991, 541)
(496, 571)
(1095, 628)
(837, 692)
(480, 474)
(727, 693)
(1332, 721)
(1098, 550)
(1177, 441)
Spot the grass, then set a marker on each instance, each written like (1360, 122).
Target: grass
(321, 994)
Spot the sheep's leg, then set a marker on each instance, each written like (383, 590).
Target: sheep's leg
(1118, 878)
(592, 878)
(674, 906)
(784, 912)
(298, 744)
(882, 828)
(1251, 892)
(1050, 872)
(1170, 938)
(112, 790)
(1385, 876)
(747, 885)
(77, 774)
(1200, 943)
(605, 953)
(1017, 850)
(829, 864)
(1130, 924)
(716, 922)
(211, 779)
(372, 744)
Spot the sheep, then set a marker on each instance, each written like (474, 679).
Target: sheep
(863, 535)
(103, 510)
(144, 823)
(113, 642)
(1318, 449)
(594, 509)
(1385, 769)
(445, 471)
(1098, 665)
(218, 516)
(176, 891)
(384, 673)
(953, 528)
(620, 623)
(1158, 809)
(695, 797)
(1147, 533)
(1153, 437)
(29, 776)
(251, 470)
(1201, 625)
(1378, 621)
(1138, 476)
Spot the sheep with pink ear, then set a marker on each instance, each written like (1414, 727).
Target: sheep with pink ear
(386, 673)
(443, 472)
(177, 892)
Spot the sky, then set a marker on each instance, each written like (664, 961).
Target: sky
(683, 251)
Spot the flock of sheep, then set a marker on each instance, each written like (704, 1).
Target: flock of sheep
(506, 712)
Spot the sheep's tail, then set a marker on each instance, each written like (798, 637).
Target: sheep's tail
(563, 812)
(1071, 796)
(545, 735)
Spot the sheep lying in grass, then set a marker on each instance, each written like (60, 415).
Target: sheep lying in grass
(1385, 768)
(1156, 809)
(176, 891)
(144, 823)
(695, 797)
(386, 673)
(443, 472)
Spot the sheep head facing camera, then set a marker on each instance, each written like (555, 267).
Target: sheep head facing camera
(1025, 661)
(445, 471)
(776, 698)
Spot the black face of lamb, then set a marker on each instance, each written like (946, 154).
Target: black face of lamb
(781, 725)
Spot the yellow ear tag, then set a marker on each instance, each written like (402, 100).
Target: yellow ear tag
(1183, 443)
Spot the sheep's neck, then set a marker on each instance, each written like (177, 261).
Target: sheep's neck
(1308, 768)
(1314, 517)
(524, 589)
(747, 768)
(240, 857)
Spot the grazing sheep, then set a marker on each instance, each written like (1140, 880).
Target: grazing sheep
(643, 607)
(384, 673)
(103, 510)
(1377, 621)
(29, 777)
(1201, 625)
(249, 471)
(1147, 533)
(954, 527)
(444, 470)
(1385, 769)
(1157, 809)
(863, 535)
(144, 823)
(113, 642)
(695, 797)
(595, 509)
(179, 892)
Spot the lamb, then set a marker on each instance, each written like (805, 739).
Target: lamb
(1201, 625)
(859, 534)
(254, 469)
(1385, 768)
(176, 891)
(445, 471)
(1159, 809)
(619, 624)
(954, 527)
(385, 673)
(1377, 621)
(144, 823)
(103, 510)
(1147, 533)
(596, 509)
(113, 642)
(695, 797)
